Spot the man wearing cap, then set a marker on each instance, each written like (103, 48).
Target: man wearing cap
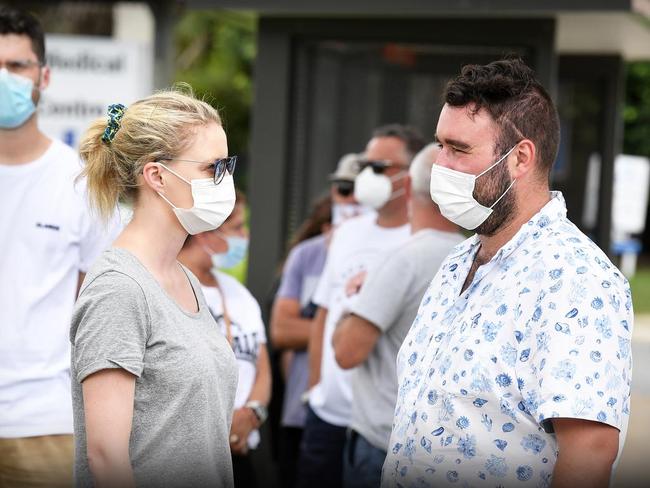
(48, 239)
(344, 205)
(355, 246)
(369, 337)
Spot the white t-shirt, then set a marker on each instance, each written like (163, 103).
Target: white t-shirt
(247, 329)
(355, 246)
(47, 236)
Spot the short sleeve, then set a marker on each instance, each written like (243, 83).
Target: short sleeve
(292, 276)
(110, 326)
(380, 301)
(574, 358)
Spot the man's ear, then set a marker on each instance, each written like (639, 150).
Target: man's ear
(152, 176)
(44, 80)
(526, 158)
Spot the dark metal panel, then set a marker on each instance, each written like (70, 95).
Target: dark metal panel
(410, 7)
(268, 168)
(603, 76)
(613, 144)
(163, 12)
(307, 112)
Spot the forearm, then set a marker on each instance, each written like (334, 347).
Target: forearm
(291, 333)
(315, 348)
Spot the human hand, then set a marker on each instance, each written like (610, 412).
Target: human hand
(354, 284)
(243, 422)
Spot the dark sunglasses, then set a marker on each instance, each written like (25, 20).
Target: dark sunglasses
(220, 166)
(344, 188)
(378, 167)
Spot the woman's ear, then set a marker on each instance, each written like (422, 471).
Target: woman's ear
(152, 176)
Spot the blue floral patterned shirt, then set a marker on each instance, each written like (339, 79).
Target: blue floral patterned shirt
(542, 331)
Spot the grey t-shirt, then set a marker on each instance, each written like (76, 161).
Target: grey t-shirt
(390, 298)
(186, 374)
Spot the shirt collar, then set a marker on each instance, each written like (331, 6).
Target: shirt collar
(554, 210)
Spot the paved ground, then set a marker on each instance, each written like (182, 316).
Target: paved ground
(634, 468)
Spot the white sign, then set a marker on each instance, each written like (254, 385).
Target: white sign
(88, 74)
(630, 198)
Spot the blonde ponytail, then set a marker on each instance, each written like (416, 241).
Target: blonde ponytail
(101, 171)
(157, 127)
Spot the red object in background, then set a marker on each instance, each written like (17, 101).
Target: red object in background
(399, 54)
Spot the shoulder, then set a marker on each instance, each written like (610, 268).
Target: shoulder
(309, 247)
(575, 273)
(106, 280)
(63, 159)
(567, 251)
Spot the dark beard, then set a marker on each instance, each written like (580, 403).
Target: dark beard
(487, 191)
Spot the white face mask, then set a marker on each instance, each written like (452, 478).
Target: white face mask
(212, 203)
(453, 191)
(376, 190)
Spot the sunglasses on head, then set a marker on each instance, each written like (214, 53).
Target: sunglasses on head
(378, 167)
(344, 188)
(220, 166)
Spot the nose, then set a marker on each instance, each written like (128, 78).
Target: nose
(443, 159)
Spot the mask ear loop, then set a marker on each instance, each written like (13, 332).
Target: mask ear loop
(174, 173)
(177, 176)
(511, 184)
(401, 191)
(500, 159)
(503, 194)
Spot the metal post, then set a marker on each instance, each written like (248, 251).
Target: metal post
(612, 145)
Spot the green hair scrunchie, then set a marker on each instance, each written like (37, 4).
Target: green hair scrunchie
(115, 114)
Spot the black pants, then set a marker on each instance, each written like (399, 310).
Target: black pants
(243, 472)
(288, 454)
(321, 454)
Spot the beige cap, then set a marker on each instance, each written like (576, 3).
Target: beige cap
(348, 168)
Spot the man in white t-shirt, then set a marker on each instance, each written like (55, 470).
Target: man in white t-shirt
(48, 240)
(354, 248)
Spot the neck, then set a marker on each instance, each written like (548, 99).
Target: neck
(155, 237)
(393, 214)
(24, 144)
(425, 215)
(193, 258)
(490, 245)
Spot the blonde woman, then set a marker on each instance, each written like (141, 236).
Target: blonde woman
(153, 379)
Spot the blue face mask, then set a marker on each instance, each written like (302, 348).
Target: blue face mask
(16, 105)
(237, 249)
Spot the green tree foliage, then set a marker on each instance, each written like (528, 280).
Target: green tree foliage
(215, 54)
(637, 109)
